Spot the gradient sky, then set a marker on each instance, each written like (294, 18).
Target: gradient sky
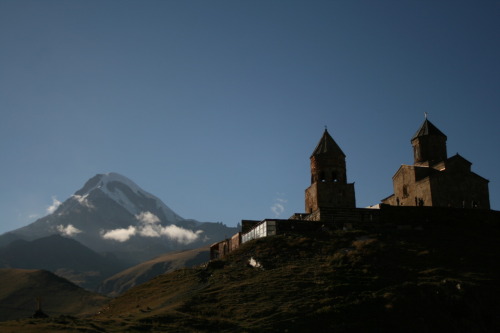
(216, 106)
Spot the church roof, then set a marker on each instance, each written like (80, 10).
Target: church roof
(427, 128)
(327, 145)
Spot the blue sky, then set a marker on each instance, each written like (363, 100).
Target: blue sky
(216, 106)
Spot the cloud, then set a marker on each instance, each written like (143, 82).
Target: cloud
(181, 235)
(149, 226)
(277, 209)
(55, 204)
(173, 232)
(120, 235)
(82, 199)
(278, 206)
(150, 230)
(147, 218)
(69, 230)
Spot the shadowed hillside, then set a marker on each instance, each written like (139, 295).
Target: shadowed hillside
(133, 276)
(443, 278)
(63, 256)
(20, 288)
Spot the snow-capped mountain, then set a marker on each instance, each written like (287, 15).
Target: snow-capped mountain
(111, 213)
(127, 194)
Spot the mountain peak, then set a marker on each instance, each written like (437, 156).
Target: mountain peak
(100, 180)
(126, 193)
(111, 213)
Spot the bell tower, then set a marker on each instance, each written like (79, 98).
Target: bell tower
(329, 187)
(429, 145)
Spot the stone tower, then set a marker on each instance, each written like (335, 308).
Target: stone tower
(436, 179)
(429, 145)
(329, 187)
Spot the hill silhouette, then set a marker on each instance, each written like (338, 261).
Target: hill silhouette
(441, 278)
(169, 262)
(63, 256)
(21, 287)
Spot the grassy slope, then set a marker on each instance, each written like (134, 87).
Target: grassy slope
(439, 279)
(145, 271)
(20, 288)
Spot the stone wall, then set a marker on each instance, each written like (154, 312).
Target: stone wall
(329, 195)
(385, 218)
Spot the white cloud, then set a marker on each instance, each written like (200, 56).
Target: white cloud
(147, 218)
(181, 235)
(150, 231)
(173, 232)
(55, 204)
(120, 235)
(69, 230)
(278, 207)
(82, 199)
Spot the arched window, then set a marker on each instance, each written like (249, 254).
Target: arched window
(405, 191)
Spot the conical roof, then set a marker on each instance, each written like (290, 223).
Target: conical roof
(427, 128)
(327, 145)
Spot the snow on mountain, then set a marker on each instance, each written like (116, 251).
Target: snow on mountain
(124, 192)
(111, 213)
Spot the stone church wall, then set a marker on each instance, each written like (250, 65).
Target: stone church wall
(409, 190)
(460, 190)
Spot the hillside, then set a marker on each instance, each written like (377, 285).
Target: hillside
(133, 276)
(62, 256)
(21, 287)
(442, 278)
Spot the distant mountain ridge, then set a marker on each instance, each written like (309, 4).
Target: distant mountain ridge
(63, 256)
(111, 214)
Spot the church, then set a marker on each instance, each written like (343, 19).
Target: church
(436, 180)
(435, 189)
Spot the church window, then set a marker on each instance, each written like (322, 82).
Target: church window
(416, 153)
(405, 191)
